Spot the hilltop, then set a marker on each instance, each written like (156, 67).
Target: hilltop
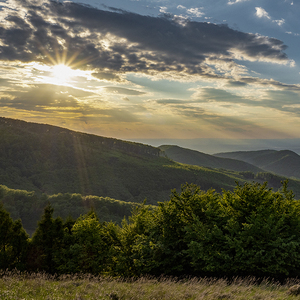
(283, 162)
(193, 157)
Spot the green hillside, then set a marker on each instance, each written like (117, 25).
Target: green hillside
(284, 162)
(193, 157)
(51, 160)
(29, 206)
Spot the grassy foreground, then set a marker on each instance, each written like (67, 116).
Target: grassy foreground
(82, 287)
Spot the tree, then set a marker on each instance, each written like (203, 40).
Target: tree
(256, 233)
(46, 242)
(92, 247)
(13, 242)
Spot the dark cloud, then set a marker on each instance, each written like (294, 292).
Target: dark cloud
(43, 97)
(170, 101)
(114, 41)
(220, 95)
(190, 111)
(281, 100)
(287, 101)
(106, 76)
(124, 91)
(6, 82)
(65, 101)
(233, 83)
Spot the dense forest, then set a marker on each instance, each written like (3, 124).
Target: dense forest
(29, 206)
(252, 230)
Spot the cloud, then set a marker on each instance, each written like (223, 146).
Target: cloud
(271, 83)
(107, 76)
(170, 101)
(280, 100)
(279, 22)
(236, 83)
(261, 13)
(236, 1)
(124, 91)
(203, 95)
(67, 103)
(45, 97)
(190, 111)
(286, 101)
(195, 12)
(114, 43)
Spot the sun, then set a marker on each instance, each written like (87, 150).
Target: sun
(62, 74)
(59, 68)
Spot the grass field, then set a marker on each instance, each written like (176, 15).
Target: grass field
(83, 287)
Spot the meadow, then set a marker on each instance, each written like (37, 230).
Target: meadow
(41, 286)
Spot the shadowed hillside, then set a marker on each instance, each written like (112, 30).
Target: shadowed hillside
(49, 159)
(284, 162)
(193, 157)
(29, 206)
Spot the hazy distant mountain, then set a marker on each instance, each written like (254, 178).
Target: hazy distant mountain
(193, 157)
(216, 145)
(284, 162)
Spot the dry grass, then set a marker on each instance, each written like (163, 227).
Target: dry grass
(16, 286)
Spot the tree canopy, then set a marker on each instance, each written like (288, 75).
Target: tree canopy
(249, 231)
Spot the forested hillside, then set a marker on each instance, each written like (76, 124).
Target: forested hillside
(193, 157)
(29, 206)
(51, 160)
(283, 162)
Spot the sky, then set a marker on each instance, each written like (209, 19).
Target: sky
(153, 69)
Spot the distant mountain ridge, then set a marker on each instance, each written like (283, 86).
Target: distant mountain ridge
(193, 157)
(283, 162)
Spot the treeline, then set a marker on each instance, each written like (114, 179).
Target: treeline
(250, 231)
(29, 206)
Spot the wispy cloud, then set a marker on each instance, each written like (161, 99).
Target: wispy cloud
(194, 12)
(236, 1)
(262, 13)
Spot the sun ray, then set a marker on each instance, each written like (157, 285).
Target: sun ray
(63, 67)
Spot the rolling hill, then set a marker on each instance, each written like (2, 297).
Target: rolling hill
(283, 162)
(29, 206)
(49, 159)
(193, 157)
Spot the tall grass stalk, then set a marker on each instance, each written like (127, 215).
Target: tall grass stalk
(27, 286)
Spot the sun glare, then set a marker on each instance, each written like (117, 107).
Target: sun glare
(62, 74)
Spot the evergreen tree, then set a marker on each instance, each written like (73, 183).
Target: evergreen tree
(46, 242)
(13, 242)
